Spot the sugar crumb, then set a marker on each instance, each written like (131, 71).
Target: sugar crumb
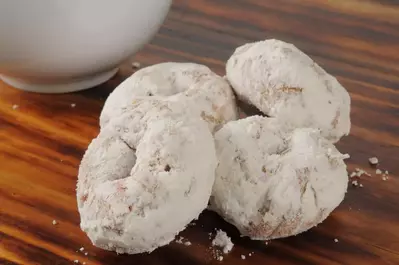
(180, 240)
(242, 256)
(355, 183)
(73, 105)
(136, 65)
(378, 171)
(346, 156)
(373, 160)
(223, 241)
(76, 261)
(361, 185)
(359, 172)
(220, 258)
(15, 106)
(81, 249)
(86, 253)
(386, 172)
(336, 240)
(55, 222)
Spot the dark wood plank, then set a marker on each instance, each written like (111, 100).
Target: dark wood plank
(42, 142)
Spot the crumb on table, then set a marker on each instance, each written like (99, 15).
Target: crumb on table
(373, 160)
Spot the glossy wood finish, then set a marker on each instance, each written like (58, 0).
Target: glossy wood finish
(43, 140)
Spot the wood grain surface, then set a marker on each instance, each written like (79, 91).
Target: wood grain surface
(43, 140)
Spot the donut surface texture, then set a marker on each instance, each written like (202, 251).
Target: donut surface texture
(283, 82)
(140, 181)
(274, 182)
(176, 82)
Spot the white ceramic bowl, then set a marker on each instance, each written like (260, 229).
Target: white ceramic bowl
(58, 46)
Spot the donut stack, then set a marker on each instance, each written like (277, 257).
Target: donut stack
(171, 141)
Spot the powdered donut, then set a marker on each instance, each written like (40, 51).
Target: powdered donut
(140, 182)
(176, 81)
(272, 182)
(283, 82)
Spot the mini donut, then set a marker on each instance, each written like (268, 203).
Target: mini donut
(140, 182)
(274, 182)
(283, 82)
(176, 81)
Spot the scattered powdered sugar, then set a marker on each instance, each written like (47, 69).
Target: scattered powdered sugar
(216, 253)
(360, 172)
(223, 241)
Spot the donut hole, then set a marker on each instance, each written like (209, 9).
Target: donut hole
(128, 158)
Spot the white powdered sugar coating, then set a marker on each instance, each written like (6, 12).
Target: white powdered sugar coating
(223, 241)
(140, 182)
(274, 182)
(281, 81)
(190, 82)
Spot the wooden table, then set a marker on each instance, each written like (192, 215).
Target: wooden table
(43, 140)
